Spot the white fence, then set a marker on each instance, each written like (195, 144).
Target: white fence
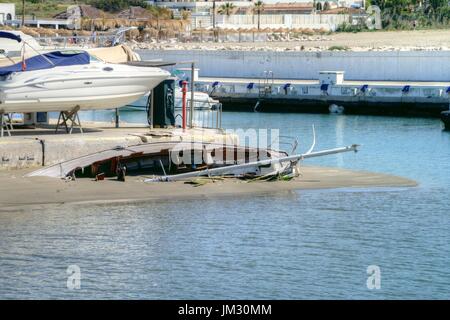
(201, 21)
(313, 21)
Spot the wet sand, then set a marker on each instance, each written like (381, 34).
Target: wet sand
(17, 191)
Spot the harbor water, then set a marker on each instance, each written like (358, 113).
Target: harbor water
(285, 245)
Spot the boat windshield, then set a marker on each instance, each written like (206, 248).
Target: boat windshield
(47, 61)
(94, 58)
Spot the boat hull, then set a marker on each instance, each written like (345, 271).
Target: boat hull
(88, 88)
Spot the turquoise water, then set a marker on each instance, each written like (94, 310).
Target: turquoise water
(287, 245)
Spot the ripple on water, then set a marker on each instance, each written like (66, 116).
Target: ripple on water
(304, 244)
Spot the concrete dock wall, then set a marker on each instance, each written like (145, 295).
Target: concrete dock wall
(20, 153)
(371, 65)
(407, 99)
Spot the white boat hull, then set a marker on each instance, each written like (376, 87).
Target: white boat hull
(89, 87)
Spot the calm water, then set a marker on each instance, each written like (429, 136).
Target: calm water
(293, 245)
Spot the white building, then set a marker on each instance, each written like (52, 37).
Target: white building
(277, 14)
(196, 6)
(205, 6)
(7, 12)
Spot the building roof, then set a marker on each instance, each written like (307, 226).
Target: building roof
(135, 13)
(341, 10)
(306, 5)
(86, 11)
(282, 7)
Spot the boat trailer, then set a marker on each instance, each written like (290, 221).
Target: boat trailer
(70, 120)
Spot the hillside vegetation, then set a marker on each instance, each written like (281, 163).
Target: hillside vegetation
(40, 8)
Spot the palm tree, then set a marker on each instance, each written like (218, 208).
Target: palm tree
(226, 9)
(258, 7)
(160, 13)
(23, 13)
(214, 14)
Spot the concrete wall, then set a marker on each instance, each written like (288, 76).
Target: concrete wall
(392, 65)
(20, 153)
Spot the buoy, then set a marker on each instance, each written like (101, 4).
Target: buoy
(334, 108)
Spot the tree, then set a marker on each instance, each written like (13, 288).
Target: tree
(116, 5)
(23, 13)
(160, 13)
(214, 14)
(258, 8)
(185, 14)
(326, 6)
(226, 9)
(436, 4)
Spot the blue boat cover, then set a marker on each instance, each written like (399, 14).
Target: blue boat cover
(57, 58)
(10, 35)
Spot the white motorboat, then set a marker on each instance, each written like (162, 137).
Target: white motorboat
(65, 80)
(123, 54)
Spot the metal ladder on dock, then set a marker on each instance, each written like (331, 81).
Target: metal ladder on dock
(5, 124)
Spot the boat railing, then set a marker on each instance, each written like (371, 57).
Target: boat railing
(90, 41)
(284, 143)
(67, 42)
(203, 118)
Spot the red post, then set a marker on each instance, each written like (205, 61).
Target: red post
(183, 112)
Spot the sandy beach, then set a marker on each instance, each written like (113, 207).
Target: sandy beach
(17, 191)
(362, 41)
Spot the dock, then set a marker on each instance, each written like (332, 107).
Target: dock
(395, 98)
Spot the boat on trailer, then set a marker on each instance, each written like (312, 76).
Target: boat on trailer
(118, 54)
(65, 80)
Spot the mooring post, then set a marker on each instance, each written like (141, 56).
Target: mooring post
(150, 111)
(191, 111)
(1, 123)
(117, 118)
(183, 110)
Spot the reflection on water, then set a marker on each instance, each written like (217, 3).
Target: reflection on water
(304, 244)
(340, 128)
